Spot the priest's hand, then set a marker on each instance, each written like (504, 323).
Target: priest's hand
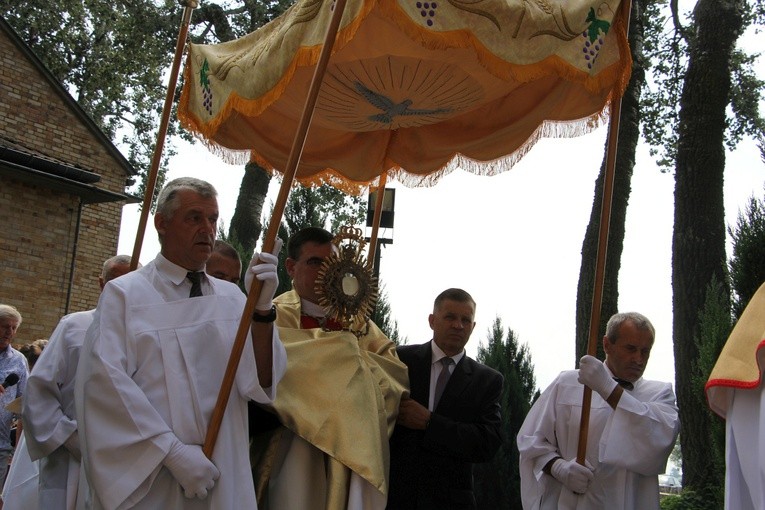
(593, 373)
(263, 267)
(573, 475)
(194, 471)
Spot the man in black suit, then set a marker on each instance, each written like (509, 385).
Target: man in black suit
(436, 441)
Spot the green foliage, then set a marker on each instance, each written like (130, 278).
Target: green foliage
(659, 105)
(747, 265)
(746, 95)
(676, 456)
(666, 46)
(707, 499)
(322, 206)
(497, 483)
(228, 20)
(705, 123)
(383, 317)
(671, 502)
(714, 327)
(112, 57)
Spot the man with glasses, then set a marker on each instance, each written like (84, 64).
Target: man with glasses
(337, 402)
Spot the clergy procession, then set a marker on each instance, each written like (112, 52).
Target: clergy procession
(325, 411)
(199, 383)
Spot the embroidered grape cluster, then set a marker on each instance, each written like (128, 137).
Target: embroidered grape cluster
(427, 11)
(591, 49)
(593, 37)
(204, 82)
(207, 103)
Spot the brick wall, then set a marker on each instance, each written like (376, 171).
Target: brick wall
(36, 255)
(36, 252)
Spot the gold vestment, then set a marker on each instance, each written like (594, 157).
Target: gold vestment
(341, 394)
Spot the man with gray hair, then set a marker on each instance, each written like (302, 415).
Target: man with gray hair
(153, 363)
(50, 424)
(632, 429)
(13, 375)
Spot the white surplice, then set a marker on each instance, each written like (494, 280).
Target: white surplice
(736, 392)
(150, 371)
(20, 489)
(48, 412)
(745, 450)
(628, 446)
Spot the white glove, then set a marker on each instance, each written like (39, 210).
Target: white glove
(194, 471)
(573, 475)
(72, 444)
(593, 373)
(263, 267)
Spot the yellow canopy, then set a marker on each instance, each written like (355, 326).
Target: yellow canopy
(413, 88)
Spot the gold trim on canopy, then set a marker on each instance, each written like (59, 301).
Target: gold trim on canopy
(413, 89)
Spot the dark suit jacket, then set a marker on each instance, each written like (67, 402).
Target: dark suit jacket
(433, 468)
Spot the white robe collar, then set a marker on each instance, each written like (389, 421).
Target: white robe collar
(171, 270)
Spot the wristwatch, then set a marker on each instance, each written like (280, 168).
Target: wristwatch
(271, 317)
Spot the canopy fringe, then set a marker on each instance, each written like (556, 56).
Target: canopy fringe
(547, 129)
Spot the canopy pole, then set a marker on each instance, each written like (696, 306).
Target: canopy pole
(605, 223)
(151, 179)
(273, 227)
(377, 217)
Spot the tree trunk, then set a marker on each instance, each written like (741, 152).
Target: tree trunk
(245, 224)
(629, 134)
(698, 245)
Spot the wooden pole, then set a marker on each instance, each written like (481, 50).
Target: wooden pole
(273, 228)
(600, 264)
(151, 179)
(377, 217)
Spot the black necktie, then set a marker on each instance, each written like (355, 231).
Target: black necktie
(196, 283)
(624, 384)
(443, 378)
